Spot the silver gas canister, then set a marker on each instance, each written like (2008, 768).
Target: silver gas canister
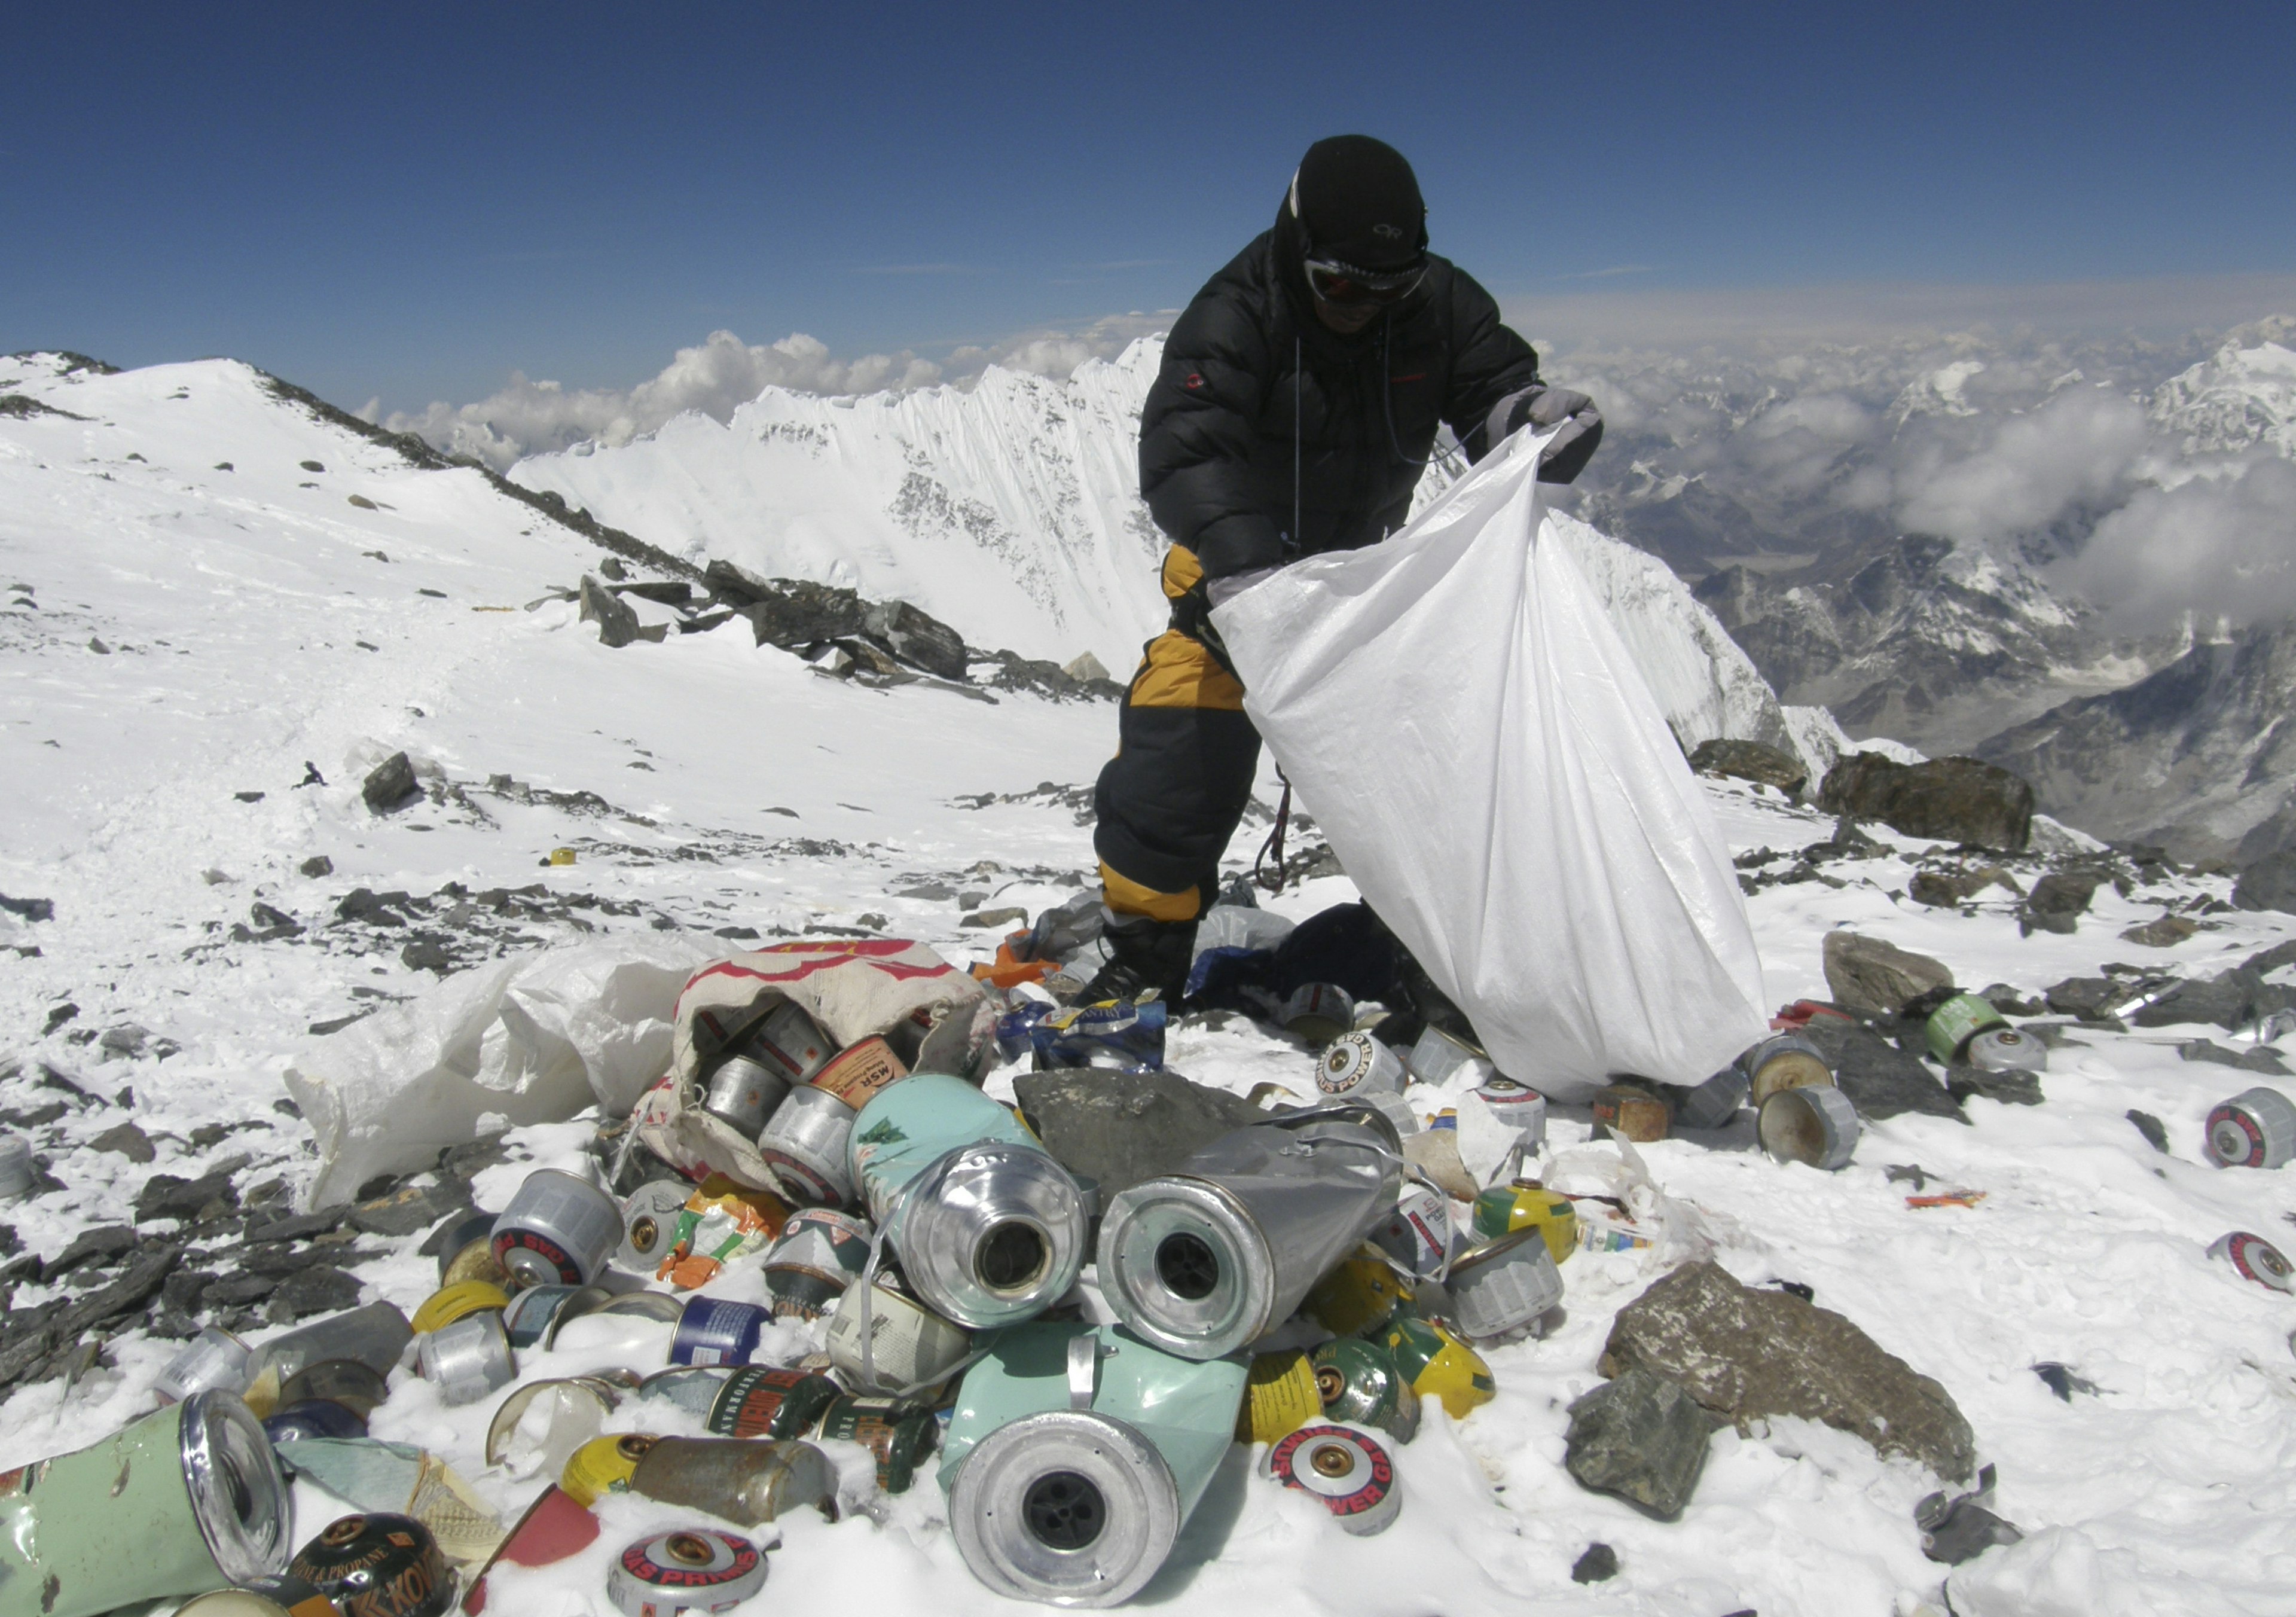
(215, 1358)
(1357, 1063)
(1206, 1259)
(1438, 1057)
(1714, 1101)
(1345, 1468)
(1067, 1507)
(2005, 1049)
(804, 1142)
(558, 1229)
(468, 1359)
(2254, 1258)
(902, 1347)
(1519, 1107)
(791, 1043)
(1504, 1285)
(691, 1568)
(742, 1093)
(1417, 1235)
(650, 1224)
(1815, 1124)
(1784, 1060)
(1318, 1011)
(16, 1173)
(2255, 1128)
(820, 1253)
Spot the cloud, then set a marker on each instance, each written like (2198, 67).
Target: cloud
(2081, 450)
(2221, 549)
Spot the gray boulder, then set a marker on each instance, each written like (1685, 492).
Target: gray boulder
(389, 783)
(2057, 902)
(2268, 883)
(1751, 761)
(917, 638)
(618, 624)
(1957, 799)
(1121, 1128)
(1749, 1355)
(1642, 1437)
(1870, 977)
(794, 613)
(1881, 1080)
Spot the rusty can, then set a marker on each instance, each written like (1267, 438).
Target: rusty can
(742, 1092)
(820, 1253)
(1504, 1285)
(717, 1330)
(804, 1142)
(1280, 1397)
(860, 1073)
(758, 1402)
(215, 1358)
(468, 1359)
(1418, 1234)
(1631, 1110)
(1814, 1124)
(2255, 1128)
(749, 1480)
(557, 1228)
(1317, 1012)
(603, 1465)
(691, 1568)
(1359, 1382)
(1358, 1063)
(2255, 1259)
(1345, 1468)
(650, 1224)
(900, 1433)
(1784, 1061)
(905, 1347)
(378, 1565)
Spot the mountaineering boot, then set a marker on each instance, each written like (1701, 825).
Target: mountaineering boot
(1143, 955)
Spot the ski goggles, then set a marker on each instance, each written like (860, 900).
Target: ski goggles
(1344, 284)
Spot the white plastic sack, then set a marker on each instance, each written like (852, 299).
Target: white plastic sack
(531, 1039)
(1472, 736)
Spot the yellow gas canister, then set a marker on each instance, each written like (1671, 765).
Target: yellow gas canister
(449, 1303)
(1525, 1204)
(1281, 1397)
(603, 1465)
(1355, 1297)
(1440, 1366)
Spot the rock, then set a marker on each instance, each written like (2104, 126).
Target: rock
(2056, 902)
(128, 1040)
(2230, 999)
(389, 783)
(128, 1141)
(916, 637)
(101, 1247)
(1881, 1080)
(299, 1226)
(2090, 998)
(2166, 932)
(165, 1195)
(2256, 1058)
(184, 1288)
(320, 1289)
(1958, 1530)
(2268, 883)
(311, 465)
(611, 567)
(423, 955)
(1085, 667)
(1121, 1128)
(1754, 1354)
(1940, 890)
(794, 614)
(30, 909)
(1599, 1563)
(130, 1291)
(994, 918)
(2011, 1088)
(1642, 1437)
(406, 1212)
(1870, 977)
(317, 865)
(662, 592)
(238, 1290)
(1751, 761)
(2008, 1001)
(1957, 799)
(2155, 1132)
(618, 624)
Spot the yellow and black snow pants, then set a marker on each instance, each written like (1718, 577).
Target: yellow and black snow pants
(1171, 797)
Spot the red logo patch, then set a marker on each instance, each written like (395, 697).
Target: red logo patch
(1195, 380)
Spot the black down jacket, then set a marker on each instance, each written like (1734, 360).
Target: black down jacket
(1218, 435)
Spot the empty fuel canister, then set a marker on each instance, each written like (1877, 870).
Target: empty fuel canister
(760, 1402)
(557, 1229)
(1953, 1024)
(1280, 1396)
(1440, 1366)
(900, 1433)
(1504, 1285)
(689, 1569)
(378, 1565)
(1346, 1469)
(1526, 1205)
(603, 1465)
(2255, 1128)
(1814, 1124)
(2255, 1259)
(1359, 1382)
(820, 1251)
(748, 1481)
(1356, 1063)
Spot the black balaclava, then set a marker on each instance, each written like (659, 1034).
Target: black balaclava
(1354, 199)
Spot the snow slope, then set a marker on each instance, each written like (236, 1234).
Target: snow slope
(716, 788)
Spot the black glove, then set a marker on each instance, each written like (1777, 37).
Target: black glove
(1543, 407)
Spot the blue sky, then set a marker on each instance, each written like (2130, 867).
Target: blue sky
(411, 201)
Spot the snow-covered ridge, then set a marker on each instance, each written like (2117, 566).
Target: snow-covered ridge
(1012, 510)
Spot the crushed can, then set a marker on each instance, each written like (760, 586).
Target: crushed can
(720, 1223)
(1359, 1382)
(1357, 1063)
(1417, 1235)
(468, 1359)
(534, 1316)
(690, 1568)
(1440, 1366)
(2255, 1128)
(2005, 1049)
(194, 1490)
(742, 1093)
(1209, 1258)
(1345, 1468)
(537, 1428)
(804, 1142)
(788, 1042)
(691, 1388)
(1526, 1205)
(1953, 1024)
(1317, 1012)
(557, 1229)
(449, 1303)
(312, 1418)
(378, 1565)
(1814, 1124)
(1438, 1057)
(1504, 1286)
(820, 1251)
(2255, 1259)
(17, 1172)
(988, 1229)
(1631, 1110)
(1280, 1396)
(1714, 1101)
(717, 1330)
(757, 1401)
(748, 1481)
(1359, 1293)
(649, 1225)
(1074, 1453)
(376, 1336)
(213, 1359)
(466, 1250)
(1519, 1107)
(342, 1381)
(901, 1435)
(1784, 1060)
(902, 1347)
(603, 1465)
(1127, 1034)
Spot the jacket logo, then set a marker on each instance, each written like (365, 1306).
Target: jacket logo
(1387, 233)
(1195, 380)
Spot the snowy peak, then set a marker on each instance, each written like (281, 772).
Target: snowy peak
(2243, 398)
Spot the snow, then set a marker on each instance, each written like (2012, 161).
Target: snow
(740, 790)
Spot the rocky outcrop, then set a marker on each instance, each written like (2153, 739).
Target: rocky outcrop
(1956, 800)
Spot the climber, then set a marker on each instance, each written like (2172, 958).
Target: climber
(1295, 411)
